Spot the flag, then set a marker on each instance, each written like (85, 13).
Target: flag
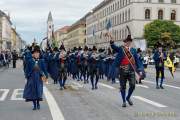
(93, 32)
(168, 63)
(101, 35)
(108, 25)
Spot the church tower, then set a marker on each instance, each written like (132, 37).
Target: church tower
(50, 28)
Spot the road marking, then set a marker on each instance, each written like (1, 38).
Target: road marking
(108, 86)
(4, 94)
(117, 81)
(77, 84)
(53, 106)
(163, 84)
(149, 101)
(16, 93)
(143, 86)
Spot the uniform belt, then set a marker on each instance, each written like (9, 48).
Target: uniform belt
(125, 67)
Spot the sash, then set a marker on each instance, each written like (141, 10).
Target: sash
(131, 60)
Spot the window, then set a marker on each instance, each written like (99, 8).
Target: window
(129, 15)
(173, 15)
(147, 14)
(121, 4)
(173, 1)
(160, 14)
(161, 1)
(120, 18)
(125, 15)
(118, 5)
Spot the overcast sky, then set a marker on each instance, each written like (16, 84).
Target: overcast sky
(30, 16)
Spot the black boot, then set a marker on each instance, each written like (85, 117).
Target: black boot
(34, 105)
(129, 101)
(38, 105)
(124, 104)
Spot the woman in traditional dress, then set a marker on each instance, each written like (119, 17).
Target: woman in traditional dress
(35, 71)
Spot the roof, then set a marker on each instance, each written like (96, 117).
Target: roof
(2, 14)
(99, 6)
(50, 17)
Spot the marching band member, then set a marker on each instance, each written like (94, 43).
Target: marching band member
(35, 71)
(85, 64)
(93, 68)
(62, 67)
(159, 58)
(128, 63)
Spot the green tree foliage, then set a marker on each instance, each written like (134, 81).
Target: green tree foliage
(166, 32)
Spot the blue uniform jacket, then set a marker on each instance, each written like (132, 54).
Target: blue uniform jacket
(121, 55)
(157, 59)
(30, 66)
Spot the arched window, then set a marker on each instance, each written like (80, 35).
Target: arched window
(160, 14)
(147, 14)
(173, 15)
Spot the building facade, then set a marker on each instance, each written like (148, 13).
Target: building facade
(61, 35)
(76, 35)
(132, 13)
(5, 31)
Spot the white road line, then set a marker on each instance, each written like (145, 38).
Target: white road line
(4, 94)
(15, 94)
(149, 101)
(108, 86)
(143, 86)
(77, 84)
(163, 84)
(53, 106)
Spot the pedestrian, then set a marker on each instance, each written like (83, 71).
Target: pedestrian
(128, 62)
(140, 57)
(35, 71)
(14, 57)
(159, 58)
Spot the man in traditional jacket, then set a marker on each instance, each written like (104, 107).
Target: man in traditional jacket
(128, 63)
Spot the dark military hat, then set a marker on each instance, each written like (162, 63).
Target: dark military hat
(55, 49)
(79, 48)
(94, 48)
(36, 48)
(139, 50)
(85, 48)
(62, 47)
(158, 44)
(128, 39)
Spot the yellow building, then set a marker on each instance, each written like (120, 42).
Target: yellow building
(61, 34)
(13, 38)
(76, 35)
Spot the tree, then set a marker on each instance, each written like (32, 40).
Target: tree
(163, 31)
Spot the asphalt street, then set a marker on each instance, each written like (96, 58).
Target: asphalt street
(79, 102)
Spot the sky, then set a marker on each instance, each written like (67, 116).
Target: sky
(30, 16)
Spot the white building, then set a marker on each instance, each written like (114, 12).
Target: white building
(5, 31)
(133, 13)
